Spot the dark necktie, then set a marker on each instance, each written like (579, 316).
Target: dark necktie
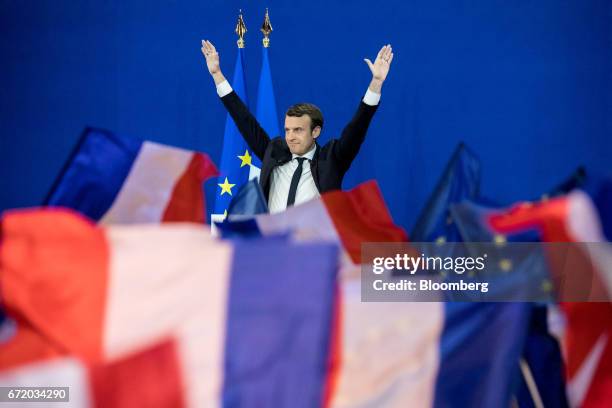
(295, 180)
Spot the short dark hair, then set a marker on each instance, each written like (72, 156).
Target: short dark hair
(301, 109)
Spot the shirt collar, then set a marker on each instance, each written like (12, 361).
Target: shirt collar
(309, 155)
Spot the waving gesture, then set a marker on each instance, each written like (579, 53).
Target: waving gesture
(211, 55)
(380, 67)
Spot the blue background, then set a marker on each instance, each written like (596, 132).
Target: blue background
(526, 84)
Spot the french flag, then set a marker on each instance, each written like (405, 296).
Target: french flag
(230, 324)
(348, 218)
(426, 354)
(149, 377)
(587, 341)
(399, 354)
(118, 180)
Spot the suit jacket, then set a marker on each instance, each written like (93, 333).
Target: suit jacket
(329, 163)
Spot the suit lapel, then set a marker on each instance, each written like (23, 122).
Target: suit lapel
(314, 167)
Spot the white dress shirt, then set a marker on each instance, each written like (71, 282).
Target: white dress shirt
(281, 182)
(282, 175)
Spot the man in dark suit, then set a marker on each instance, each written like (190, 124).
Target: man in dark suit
(285, 178)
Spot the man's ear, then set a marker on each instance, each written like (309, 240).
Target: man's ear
(316, 132)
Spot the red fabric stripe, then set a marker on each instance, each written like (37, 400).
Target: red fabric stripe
(360, 215)
(187, 200)
(581, 334)
(335, 351)
(53, 274)
(548, 218)
(147, 379)
(26, 346)
(600, 390)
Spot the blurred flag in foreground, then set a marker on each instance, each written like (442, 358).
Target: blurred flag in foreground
(348, 218)
(249, 201)
(542, 368)
(251, 328)
(587, 343)
(426, 354)
(119, 180)
(149, 377)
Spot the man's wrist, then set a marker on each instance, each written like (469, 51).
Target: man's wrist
(218, 77)
(376, 85)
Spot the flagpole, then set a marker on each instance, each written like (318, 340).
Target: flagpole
(266, 29)
(531, 384)
(267, 114)
(240, 30)
(235, 153)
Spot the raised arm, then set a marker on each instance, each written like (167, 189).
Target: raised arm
(255, 136)
(353, 135)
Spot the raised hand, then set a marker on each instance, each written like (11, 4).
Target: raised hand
(212, 57)
(380, 67)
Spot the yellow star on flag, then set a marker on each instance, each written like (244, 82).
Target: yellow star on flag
(246, 159)
(226, 187)
(224, 214)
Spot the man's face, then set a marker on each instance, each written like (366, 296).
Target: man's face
(298, 134)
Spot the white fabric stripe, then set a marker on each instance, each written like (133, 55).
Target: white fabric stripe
(584, 226)
(583, 220)
(173, 283)
(578, 386)
(390, 352)
(308, 222)
(254, 172)
(61, 372)
(215, 218)
(148, 187)
(557, 324)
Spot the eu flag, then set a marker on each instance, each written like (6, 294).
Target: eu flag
(459, 181)
(235, 157)
(267, 115)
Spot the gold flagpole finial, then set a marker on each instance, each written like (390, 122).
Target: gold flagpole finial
(240, 30)
(266, 29)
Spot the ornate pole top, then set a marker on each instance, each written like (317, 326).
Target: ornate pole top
(240, 30)
(266, 29)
